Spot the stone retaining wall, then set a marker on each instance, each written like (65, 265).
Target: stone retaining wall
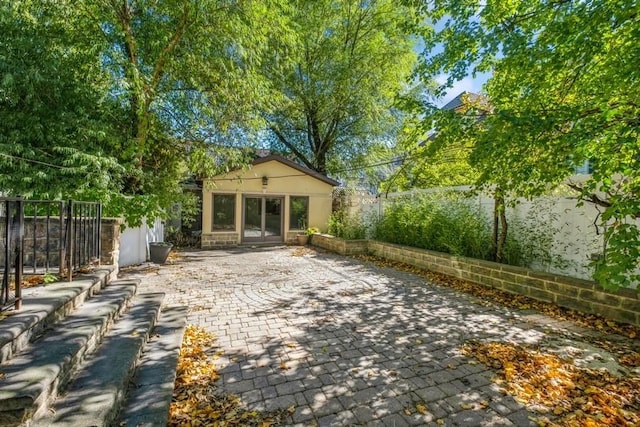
(576, 294)
(110, 229)
(341, 246)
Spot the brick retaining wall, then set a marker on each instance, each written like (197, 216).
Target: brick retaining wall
(569, 292)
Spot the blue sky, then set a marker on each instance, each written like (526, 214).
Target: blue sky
(468, 84)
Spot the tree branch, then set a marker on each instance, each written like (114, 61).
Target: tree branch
(290, 146)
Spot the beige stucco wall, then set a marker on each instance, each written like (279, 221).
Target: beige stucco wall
(284, 181)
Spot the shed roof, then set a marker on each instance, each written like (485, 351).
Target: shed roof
(294, 165)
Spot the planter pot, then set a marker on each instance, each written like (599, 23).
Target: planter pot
(159, 251)
(302, 239)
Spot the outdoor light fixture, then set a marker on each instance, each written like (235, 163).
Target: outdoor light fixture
(265, 181)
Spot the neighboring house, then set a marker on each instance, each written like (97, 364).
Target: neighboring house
(272, 201)
(463, 100)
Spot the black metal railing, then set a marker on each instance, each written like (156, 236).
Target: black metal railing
(11, 233)
(40, 237)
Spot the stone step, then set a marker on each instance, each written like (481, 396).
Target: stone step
(33, 378)
(44, 306)
(150, 392)
(96, 393)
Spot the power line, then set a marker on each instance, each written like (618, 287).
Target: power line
(33, 161)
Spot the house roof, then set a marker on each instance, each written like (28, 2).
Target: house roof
(294, 165)
(459, 100)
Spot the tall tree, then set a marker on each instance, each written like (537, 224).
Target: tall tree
(117, 99)
(564, 90)
(183, 71)
(343, 69)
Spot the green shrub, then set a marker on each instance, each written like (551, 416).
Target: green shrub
(446, 224)
(345, 226)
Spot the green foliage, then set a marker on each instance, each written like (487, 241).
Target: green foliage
(564, 90)
(337, 78)
(312, 230)
(54, 142)
(49, 278)
(345, 226)
(447, 224)
(530, 241)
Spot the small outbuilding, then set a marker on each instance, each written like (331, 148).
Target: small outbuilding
(270, 202)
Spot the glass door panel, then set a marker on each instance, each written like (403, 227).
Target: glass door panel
(252, 227)
(273, 219)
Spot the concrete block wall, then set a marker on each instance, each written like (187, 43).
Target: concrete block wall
(577, 294)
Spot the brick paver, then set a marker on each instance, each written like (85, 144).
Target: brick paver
(342, 341)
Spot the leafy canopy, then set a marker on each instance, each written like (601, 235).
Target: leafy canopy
(122, 100)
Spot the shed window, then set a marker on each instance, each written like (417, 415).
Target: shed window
(298, 212)
(224, 212)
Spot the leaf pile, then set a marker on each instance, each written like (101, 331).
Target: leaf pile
(302, 251)
(576, 396)
(196, 401)
(27, 282)
(629, 357)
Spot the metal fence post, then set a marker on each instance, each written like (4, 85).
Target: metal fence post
(19, 253)
(70, 240)
(7, 253)
(62, 235)
(99, 234)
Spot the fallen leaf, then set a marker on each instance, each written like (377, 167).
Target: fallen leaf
(422, 409)
(576, 396)
(466, 406)
(196, 400)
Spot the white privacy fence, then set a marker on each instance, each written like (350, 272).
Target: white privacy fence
(573, 235)
(134, 242)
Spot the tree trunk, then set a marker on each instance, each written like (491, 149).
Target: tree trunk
(321, 162)
(500, 226)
